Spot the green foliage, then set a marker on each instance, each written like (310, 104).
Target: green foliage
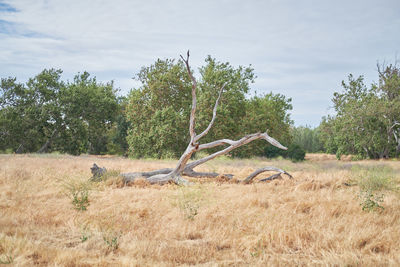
(307, 138)
(117, 143)
(85, 234)
(159, 110)
(29, 113)
(371, 201)
(271, 151)
(90, 109)
(232, 108)
(112, 240)
(366, 122)
(373, 183)
(78, 192)
(47, 114)
(295, 153)
(268, 112)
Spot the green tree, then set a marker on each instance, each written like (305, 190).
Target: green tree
(89, 110)
(47, 114)
(12, 124)
(117, 143)
(159, 110)
(232, 108)
(366, 122)
(30, 114)
(270, 112)
(307, 138)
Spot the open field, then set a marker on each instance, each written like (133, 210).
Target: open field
(313, 219)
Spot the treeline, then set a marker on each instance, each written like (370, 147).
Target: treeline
(46, 114)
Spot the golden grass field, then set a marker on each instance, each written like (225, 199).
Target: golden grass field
(314, 219)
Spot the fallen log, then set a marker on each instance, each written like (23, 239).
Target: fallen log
(157, 176)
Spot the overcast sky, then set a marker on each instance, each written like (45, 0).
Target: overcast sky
(302, 49)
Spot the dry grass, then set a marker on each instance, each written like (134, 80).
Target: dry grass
(314, 219)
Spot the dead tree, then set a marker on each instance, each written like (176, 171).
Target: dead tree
(183, 167)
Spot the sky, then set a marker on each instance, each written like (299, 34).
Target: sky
(301, 49)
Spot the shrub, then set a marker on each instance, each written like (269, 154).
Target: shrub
(78, 192)
(272, 152)
(112, 238)
(295, 153)
(373, 183)
(112, 241)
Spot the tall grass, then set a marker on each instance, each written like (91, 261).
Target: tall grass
(314, 219)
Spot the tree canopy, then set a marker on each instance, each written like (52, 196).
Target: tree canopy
(367, 119)
(159, 110)
(47, 114)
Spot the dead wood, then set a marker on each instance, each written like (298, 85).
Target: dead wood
(265, 169)
(183, 167)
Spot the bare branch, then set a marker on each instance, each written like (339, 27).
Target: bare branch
(217, 143)
(257, 172)
(233, 144)
(214, 115)
(194, 100)
(192, 173)
(272, 177)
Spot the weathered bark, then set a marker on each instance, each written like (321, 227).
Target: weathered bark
(183, 168)
(159, 176)
(272, 177)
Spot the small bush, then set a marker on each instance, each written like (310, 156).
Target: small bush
(78, 192)
(272, 152)
(85, 234)
(111, 238)
(295, 153)
(371, 201)
(373, 183)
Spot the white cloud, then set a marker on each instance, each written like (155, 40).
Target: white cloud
(302, 49)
